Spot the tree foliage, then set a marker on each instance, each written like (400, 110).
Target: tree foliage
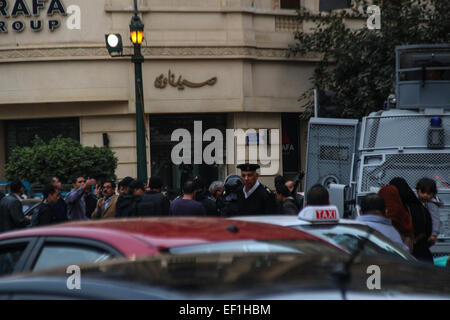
(359, 64)
(61, 157)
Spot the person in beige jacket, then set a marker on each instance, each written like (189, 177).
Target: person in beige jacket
(106, 206)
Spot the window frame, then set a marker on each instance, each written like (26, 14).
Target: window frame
(69, 241)
(30, 244)
(299, 5)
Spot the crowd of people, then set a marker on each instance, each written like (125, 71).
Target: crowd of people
(410, 218)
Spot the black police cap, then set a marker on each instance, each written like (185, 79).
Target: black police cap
(248, 167)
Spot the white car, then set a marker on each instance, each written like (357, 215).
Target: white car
(344, 233)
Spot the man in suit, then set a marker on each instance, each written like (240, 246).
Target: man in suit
(11, 213)
(106, 206)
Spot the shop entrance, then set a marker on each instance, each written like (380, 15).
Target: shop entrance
(173, 176)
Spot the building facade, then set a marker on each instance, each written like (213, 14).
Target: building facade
(221, 62)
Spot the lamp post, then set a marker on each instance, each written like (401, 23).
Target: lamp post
(114, 45)
(137, 35)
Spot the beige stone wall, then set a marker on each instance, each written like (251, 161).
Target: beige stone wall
(121, 132)
(68, 73)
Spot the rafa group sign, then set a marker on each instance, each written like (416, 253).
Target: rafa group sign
(17, 15)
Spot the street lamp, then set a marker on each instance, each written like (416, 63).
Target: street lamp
(114, 44)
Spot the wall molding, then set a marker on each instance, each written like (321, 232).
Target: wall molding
(150, 53)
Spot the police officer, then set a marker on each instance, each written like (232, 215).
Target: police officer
(228, 204)
(254, 198)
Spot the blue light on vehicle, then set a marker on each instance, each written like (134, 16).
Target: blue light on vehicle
(436, 134)
(436, 122)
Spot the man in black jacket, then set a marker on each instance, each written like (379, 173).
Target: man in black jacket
(46, 214)
(125, 205)
(254, 198)
(11, 213)
(143, 206)
(155, 196)
(205, 198)
(60, 207)
(287, 202)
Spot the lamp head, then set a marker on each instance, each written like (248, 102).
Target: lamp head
(136, 30)
(114, 42)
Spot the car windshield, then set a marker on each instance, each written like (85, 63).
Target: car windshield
(348, 237)
(300, 246)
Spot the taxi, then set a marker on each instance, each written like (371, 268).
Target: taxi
(95, 241)
(324, 222)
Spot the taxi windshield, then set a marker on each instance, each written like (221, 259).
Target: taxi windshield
(348, 237)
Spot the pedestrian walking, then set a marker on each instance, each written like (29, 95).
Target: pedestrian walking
(373, 213)
(11, 212)
(187, 206)
(427, 193)
(421, 219)
(106, 205)
(400, 217)
(76, 205)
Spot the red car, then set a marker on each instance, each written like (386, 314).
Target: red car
(94, 241)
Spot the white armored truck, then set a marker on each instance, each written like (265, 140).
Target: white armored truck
(411, 139)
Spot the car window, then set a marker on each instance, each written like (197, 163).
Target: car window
(259, 246)
(58, 255)
(10, 256)
(348, 237)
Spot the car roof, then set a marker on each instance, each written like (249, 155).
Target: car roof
(164, 233)
(254, 275)
(289, 220)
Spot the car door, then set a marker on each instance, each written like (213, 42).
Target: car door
(14, 253)
(52, 252)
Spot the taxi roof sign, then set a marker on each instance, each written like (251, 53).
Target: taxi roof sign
(319, 214)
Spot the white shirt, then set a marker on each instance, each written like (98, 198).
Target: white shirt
(251, 190)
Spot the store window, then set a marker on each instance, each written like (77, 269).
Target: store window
(172, 175)
(290, 4)
(22, 132)
(329, 5)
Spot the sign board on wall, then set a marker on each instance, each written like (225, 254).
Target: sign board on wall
(18, 15)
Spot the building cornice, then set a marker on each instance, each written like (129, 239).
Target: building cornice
(96, 52)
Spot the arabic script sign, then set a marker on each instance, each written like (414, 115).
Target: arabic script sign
(162, 81)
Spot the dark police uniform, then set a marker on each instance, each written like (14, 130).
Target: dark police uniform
(261, 201)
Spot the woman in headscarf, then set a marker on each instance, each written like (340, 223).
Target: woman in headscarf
(401, 219)
(421, 219)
